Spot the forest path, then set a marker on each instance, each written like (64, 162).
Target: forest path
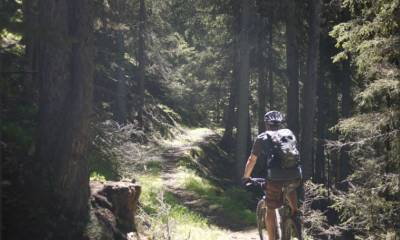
(171, 176)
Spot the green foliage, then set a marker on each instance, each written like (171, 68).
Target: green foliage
(95, 176)
(371, 37)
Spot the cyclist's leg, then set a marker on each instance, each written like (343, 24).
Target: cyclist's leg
(291, 195)
(292, 200)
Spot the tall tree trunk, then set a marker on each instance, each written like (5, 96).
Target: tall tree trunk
(346, 111)
(262, 81)
(309, 94)
(31, 48)
(243, 105)
(322, 107)
(229, 114)
(292, 67)
(333, 120)
(122, 109)
(270, 59)
(141, 59)
(218, 103)
(66, 75)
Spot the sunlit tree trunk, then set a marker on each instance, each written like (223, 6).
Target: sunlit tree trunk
(243, 104)
(141, 59)
(309, 93)
(66, 75)
(292, 67)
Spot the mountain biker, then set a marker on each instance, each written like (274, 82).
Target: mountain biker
(278, 179)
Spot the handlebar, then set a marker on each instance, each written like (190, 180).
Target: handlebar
(258, 182)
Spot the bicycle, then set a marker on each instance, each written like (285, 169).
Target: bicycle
(288, 228)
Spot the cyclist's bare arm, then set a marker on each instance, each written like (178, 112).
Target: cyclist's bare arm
(251, 162)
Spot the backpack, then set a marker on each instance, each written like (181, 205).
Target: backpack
(283, 150)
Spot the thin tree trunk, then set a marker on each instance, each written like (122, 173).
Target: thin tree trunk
(346, 111)
(121, 86)
(292, 67)
(141, 59)
(309, 93)
(270, 60)
(243, 105)
(2, 147)
(66, 75)
(334, 118)
(218, 103)
(229, 115)
(321, 128)
(262, 81)
(323, 106)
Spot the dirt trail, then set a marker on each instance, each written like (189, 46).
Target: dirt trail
(176, 149)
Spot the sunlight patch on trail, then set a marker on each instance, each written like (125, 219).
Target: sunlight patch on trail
(187, 137)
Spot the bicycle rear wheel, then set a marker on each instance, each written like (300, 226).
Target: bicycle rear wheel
(260, 213)
(291, 230)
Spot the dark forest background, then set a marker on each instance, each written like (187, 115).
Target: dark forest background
(74, 70)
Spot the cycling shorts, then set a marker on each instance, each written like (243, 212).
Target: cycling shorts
(276, 189)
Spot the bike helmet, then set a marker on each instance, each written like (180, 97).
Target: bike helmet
(273, 117)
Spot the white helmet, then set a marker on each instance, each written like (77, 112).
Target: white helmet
(273, 117)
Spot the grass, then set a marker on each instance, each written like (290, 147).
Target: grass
(164, 208)
(232, 202)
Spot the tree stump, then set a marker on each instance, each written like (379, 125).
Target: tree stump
(112, 210)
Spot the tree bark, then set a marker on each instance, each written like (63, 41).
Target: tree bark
(292, 67)
(309, 93)
(141, 59)
(66, 75)
(243, 105)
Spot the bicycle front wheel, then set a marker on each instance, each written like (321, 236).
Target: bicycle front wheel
(260, 213)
